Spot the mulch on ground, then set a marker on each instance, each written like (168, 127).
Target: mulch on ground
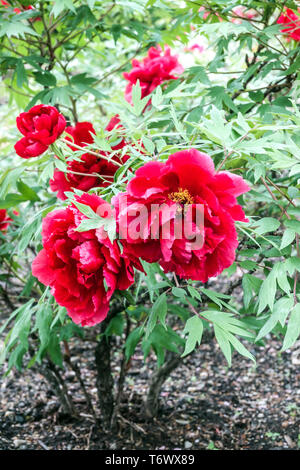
(204, 405)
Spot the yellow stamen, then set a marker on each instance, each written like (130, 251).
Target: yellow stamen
(182, 197)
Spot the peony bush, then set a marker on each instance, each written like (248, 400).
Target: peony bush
(152, 199)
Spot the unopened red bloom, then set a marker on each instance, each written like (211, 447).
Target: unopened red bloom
(41, 126)
(82, 268)
(158, 67)
(4, 220)
(182, 188)
(292, 20)
(89, 171)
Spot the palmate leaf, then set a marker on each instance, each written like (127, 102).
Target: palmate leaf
(226, 340)
(228, 322)
(225, 326)
(60, 5)
(218, 298)
(15, 29)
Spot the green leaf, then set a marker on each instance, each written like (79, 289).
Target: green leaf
(267, 224)
(60, 5)
(157, 97)
(228, 322)
(293, 328)
(247, 288)
(161, 339)
(45, 78)
(199, 74)
(91, 3)
(115, 326)
(43, 321)
(292, 264)
(178, 292)
(267, 292)
(138, 102)
(90, 224)
(21, 74)
(294, 225)
(159, 309)
(27, 192)
(280, 313)
(132, 341)
(224, 343)
(288, 238)
(240, 347)
(248, 264)
(149, 145)
(194, 293)
(55, 350)
(194, 329)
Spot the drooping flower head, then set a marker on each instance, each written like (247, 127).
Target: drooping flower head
(158, 67)
(292, 22)
(164, 196)
(41, 126)
(82, 268)
(89, 171)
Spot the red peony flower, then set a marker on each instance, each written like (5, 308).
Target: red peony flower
(82, 268)
(4, 220)
(41, 126)
(292, 21)
(28, 148)
(153, 70)
(90, 171)
(186, 189)
(81, 134)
